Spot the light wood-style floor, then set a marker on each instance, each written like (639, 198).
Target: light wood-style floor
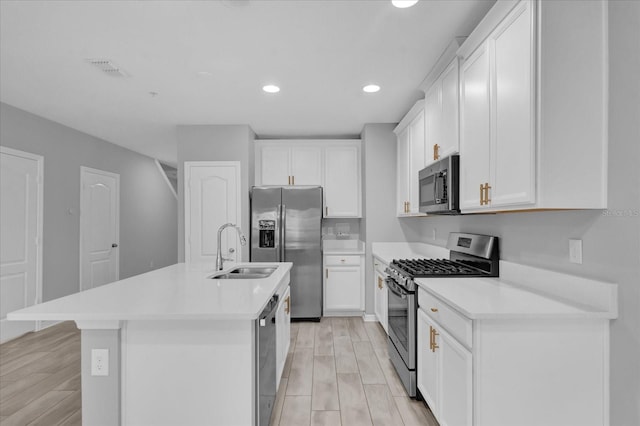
(337, 373)
(40, 378)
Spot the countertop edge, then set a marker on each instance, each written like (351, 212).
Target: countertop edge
(584, 314)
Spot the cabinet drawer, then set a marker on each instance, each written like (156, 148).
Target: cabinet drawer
(456, 324)
(380, 266)
(342, 260)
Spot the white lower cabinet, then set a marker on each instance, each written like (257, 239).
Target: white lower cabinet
(283, 332)
(444, 373)
(380, 293)
(343, 285)
(511, 370)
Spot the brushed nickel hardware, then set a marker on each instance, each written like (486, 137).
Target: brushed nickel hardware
(434, 309)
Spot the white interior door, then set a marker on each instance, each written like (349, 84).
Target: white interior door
(99, 227)
(212, 198)
(20, 237)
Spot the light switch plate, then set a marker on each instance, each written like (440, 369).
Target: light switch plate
(575, 251)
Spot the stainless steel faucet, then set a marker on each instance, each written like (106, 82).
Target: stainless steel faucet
(243, 241)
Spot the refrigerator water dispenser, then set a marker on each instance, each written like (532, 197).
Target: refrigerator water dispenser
(267, 230)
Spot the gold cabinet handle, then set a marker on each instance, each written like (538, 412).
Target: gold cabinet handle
(487, 200)
(326, 273)
(289, 180)
(288, 302)
(326, 211)
(436, 154)
(481, 194)
(431, 338)
(380, 283)
(293, 180)
(434, 309)
(433, 346)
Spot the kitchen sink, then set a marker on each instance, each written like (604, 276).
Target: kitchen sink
(245, 273)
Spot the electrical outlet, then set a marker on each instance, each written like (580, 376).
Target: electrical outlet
(99, 362)
(575, 251)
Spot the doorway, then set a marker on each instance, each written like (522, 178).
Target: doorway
(99, 227)
(212, 198)
(21, 217)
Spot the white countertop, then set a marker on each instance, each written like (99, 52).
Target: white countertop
(177, 292)
(504, 297)
(386, 252)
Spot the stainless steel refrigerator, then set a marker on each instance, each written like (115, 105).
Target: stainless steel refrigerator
(286, 226)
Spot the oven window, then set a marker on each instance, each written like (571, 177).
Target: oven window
(398, 319)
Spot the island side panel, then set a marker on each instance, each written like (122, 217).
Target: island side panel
(100, 394)
(188, 372)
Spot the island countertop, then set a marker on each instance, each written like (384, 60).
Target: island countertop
(176, 292)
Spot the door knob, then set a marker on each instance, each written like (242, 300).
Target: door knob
(232, 250)
(114, 245)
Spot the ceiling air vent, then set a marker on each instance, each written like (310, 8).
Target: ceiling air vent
(107, 67)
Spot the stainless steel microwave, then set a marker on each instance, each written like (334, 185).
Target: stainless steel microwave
(439, 187)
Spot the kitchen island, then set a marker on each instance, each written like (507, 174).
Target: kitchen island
(181, 346)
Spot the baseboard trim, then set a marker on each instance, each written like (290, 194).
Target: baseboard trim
(369, 317)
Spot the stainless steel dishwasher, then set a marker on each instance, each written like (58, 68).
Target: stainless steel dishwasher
(266, 362)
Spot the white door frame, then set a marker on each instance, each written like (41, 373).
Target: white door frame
(116, 176)
(39, 159)
(187, 199)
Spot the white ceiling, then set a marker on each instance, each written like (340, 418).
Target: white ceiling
(321, 53)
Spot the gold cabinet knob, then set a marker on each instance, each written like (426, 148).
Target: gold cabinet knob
(434, 309)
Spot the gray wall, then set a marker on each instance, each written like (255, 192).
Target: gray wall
(148, 210)
(379, 222)
(216, 143)
(611, 238)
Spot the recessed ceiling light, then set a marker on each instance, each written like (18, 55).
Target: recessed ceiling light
(270, 88)
(403, 4)
(371, 88)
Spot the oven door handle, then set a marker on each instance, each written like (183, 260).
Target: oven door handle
(391, 284)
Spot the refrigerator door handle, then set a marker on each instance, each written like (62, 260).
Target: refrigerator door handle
(278, 235)
(283, 230)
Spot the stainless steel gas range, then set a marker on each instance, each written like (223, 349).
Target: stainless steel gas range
(470, 255)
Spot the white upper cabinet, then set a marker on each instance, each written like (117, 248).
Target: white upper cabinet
(411, 159)
(342, 180)
(285, 164)
(441, 87)
(306, 165)
(274, 164)
(474, 165)
(333, 164)
(441, 113)
(533, 111)
(497, 148)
